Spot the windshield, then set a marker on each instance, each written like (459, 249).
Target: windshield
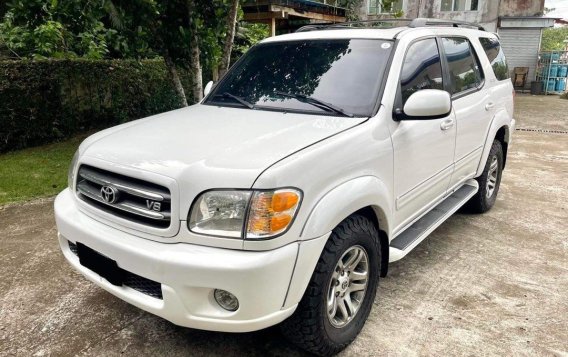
(342, 76)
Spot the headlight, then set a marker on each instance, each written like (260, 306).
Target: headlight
(220, 213)
(254, 214)
(71, 172)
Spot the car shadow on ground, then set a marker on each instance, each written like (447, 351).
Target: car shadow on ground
(147, 334)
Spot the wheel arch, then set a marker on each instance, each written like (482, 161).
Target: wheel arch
(367, 194)
(375, 214)
(500, 129)
(502, 136)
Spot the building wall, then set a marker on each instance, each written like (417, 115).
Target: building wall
(521, 7)
(487, 13)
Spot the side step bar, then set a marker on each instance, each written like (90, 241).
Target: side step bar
(419, 230)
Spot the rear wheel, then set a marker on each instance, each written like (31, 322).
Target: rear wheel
(489, 181)
(339, 297)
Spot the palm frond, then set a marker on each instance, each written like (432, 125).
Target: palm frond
(113, 14)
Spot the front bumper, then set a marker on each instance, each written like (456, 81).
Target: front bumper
(188, 274)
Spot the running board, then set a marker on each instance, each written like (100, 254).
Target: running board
(419, 230)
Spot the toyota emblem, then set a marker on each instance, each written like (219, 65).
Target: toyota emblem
(109, 194)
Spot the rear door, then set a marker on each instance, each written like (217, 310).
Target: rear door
(473, 106)
(496, 73)
(423, 149)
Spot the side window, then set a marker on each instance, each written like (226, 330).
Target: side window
(496, 56)
(462, 64)
(421, 68)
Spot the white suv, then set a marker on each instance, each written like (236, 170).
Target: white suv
(319, 158)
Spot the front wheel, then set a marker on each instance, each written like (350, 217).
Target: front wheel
(489, 181)
(339, 297)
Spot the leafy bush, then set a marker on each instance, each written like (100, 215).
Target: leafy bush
(553, 39)
(65, 29)
(48, 100)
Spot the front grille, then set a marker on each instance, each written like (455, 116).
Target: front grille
(143, 285)
(73, 248)
(126, 197)
(136, 282)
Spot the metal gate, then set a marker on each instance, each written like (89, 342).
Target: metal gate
(521, 46)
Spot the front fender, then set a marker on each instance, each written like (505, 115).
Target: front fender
(501, 119)
(345, 199)
(334, 207)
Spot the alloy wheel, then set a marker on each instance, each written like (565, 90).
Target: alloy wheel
(492, 176)
(347, 286)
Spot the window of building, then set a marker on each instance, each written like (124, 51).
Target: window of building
(384, 6)
(421, 68)
(459, 5)
(462, 64)
(496, 56)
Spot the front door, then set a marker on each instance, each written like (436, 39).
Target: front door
(423, 149)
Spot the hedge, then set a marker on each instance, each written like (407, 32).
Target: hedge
(49, 100)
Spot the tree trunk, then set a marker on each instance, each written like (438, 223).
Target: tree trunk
(229, 38)
(174, 77)
(215, 74)
(194, 62)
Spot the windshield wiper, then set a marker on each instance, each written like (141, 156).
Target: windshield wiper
(316, 102)
(238, 99)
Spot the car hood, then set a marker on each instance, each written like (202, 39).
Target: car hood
(213, 140)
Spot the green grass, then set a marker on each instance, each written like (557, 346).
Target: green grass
(36, 172)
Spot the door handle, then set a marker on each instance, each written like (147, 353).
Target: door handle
(489, 106)
(447, 124)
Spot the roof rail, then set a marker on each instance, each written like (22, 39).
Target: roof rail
(423, 22)
(412, 23)
(343, 25)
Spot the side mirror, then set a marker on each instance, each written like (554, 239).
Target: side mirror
(207, 89)
(427, 104)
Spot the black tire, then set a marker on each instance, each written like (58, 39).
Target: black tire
(481, 202)
(310, 327)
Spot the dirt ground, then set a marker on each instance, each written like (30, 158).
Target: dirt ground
(492, 284)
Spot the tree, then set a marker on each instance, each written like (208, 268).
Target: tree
(188, 34)
(246, 35)
(229, 38)
(194, 54)
(553, 39)
(69, 29)
(176, 80)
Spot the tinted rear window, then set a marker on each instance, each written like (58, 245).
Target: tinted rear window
(496, 56)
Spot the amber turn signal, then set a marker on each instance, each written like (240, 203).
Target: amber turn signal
(283, 201)
(278, 223)
(272, 212)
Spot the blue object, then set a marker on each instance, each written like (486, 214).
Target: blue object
(550, 56)
(553, 70)
(562, 71)
(560, 85)
(551, 85)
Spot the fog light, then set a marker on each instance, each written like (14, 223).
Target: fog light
(227, 300)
